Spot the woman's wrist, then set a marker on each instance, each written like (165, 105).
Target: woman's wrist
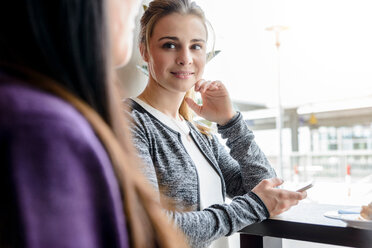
(227, 119)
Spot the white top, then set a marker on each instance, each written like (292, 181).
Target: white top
(209, 181)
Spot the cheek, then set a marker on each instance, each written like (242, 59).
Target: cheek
(152, 68)
(159, 63)
(200, 65)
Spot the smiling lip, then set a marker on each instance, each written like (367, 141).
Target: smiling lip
(183, 74)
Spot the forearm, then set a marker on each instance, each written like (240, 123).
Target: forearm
(253, 163)
(202, 227)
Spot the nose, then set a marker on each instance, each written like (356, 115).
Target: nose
(184, 57)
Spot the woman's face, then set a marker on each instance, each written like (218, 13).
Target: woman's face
(122, 15)
(177, 52)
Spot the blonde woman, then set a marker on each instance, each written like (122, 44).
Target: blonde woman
(184, 161)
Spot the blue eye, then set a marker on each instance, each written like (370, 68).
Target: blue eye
(169, 45)
(196, 47)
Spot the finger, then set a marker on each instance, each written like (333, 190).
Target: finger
(193, 105)
(275, 182)
(214, 86)
(219, 84)
(303, 195)
(290, 205)
(297, 195)
(198, 83)
(204, 86)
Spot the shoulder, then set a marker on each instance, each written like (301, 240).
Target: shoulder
(26, 112)
(22, 103)
(142, 120)
(137, 112)
(44, 133)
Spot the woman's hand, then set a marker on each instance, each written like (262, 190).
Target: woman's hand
(216, 102)
(277, 200)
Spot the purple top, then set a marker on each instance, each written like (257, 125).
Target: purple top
(56, 178)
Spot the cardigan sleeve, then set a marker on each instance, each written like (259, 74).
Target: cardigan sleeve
(142, 144)
(246, 165)
(202, 227)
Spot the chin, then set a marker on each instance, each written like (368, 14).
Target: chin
(122, 63)
(185, 90)
(124, 59)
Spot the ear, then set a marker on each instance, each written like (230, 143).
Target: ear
(143, 51)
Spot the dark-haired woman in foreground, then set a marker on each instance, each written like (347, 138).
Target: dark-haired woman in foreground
(66, 165)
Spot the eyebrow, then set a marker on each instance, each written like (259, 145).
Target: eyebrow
(176, 39)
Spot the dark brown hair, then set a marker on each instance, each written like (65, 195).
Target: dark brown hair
(62, 46)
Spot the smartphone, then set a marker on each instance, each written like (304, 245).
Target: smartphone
(306, 187)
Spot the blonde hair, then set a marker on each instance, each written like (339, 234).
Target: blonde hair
(158, 9)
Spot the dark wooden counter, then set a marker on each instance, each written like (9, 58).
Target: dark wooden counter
(306, 222)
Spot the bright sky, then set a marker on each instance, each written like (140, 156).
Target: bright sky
(326, 53)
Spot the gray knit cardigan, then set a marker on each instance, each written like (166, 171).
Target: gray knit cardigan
(171, 170)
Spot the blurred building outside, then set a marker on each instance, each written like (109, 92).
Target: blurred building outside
(329, 142)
